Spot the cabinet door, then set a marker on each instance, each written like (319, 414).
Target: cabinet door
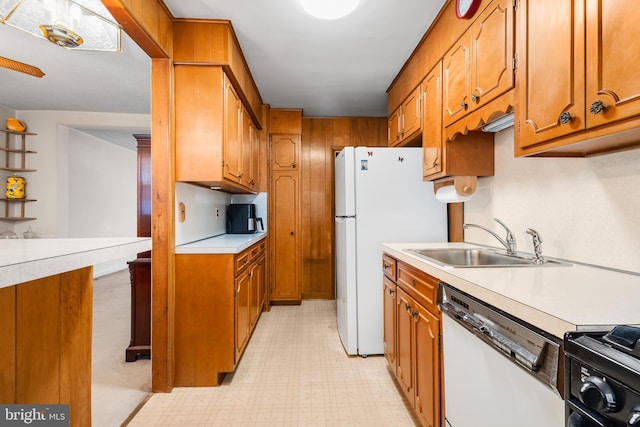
(389, 298)
(550, 72)
(411, 114)
(613, 61)
(284, 234)
(427, 366)
(432, 155)
(404, 344)
(255, 157)
(246, 150)
(456, 85)
(394, 130)
(257, 290)
(232, 133)
(243, 295)
(285, 152)
(492, 53)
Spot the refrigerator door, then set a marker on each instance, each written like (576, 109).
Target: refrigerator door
(393, 205)
(345, 229)
(345, 183)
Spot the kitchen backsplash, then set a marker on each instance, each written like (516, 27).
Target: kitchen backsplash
(205, 211)
(586, 209)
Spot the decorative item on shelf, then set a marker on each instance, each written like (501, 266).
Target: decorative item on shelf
(16, 125)
(15, 187)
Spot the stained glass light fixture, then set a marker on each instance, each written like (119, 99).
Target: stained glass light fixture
(74, 24)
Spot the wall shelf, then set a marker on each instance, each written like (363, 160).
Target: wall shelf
(15, 150)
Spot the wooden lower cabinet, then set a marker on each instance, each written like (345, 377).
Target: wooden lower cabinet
(215, 312)
(415, 328)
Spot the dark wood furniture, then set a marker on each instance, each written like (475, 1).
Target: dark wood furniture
(140, 268)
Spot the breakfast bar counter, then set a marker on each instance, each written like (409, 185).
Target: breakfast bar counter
(46, 305)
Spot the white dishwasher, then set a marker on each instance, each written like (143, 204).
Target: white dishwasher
(498, 371)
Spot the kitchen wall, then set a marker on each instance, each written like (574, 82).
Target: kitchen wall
(586, 209)
(205, 211)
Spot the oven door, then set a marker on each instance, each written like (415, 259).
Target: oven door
(483, 388)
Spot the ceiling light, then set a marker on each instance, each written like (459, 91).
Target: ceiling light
(329, 9)
(76, 24)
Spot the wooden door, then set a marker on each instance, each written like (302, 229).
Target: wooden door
(232, 143)
(456, 80)
(492, 53)
(242, 296)
(285, 152)
(550, 72)
(411, 114)
(395, 127)
(432, 153)
(404, 344)
(389, 305)
(284, 235)
(427, 366)
(613, 61)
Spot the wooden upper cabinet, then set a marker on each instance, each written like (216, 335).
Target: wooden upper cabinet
(232, 151)
(432, 142)
(285, 152)
(550, 77)
(578, 79)
(613, 61)
(213, 131)
(479, 66)
(394, 127)
(405, 122)
(411, 115)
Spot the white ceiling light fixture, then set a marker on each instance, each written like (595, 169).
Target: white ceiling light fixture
(74, 24)
(329, 9)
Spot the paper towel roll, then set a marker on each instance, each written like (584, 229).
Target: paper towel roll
(448, 194)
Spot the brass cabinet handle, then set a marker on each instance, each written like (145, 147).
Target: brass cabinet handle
(597, 107)
(565, 117)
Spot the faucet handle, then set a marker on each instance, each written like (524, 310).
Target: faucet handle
(537, 245)
(511, 239)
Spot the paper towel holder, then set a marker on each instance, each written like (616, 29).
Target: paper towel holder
(464, 185)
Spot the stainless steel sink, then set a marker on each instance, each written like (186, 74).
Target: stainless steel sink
(458, 257)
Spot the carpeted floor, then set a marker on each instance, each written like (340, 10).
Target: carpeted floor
(118, 387)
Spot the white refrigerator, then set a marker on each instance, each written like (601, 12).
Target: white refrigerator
(380, 198)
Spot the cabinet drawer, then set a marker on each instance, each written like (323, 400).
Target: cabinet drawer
(389, 266)
(242, 260)
(419, 285)
(257, 249)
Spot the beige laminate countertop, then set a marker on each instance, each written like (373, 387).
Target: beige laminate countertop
(222, 244)
(23, 260)
(554, 299)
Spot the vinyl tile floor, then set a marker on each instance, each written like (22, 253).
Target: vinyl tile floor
(294, 372)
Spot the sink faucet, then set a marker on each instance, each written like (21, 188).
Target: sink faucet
(537, 246)
(509, 243)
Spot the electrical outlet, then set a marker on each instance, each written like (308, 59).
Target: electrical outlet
(217, 212)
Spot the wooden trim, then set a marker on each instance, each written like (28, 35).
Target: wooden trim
(455, 212)
(162, 226)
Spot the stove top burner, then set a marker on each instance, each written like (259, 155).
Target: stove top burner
(624, 338)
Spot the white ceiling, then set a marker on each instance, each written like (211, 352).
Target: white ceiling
(327, 68)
